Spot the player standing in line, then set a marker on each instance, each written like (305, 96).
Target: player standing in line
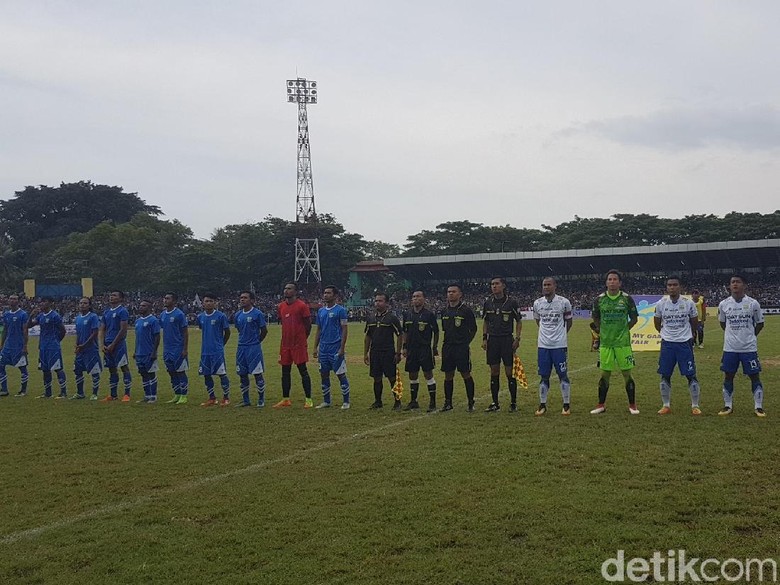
(615, 313)
(173, 323)
(459, 326)
(215, 328)
(553, 316)
(382, 348)
(114, 330)
(701, 311)
(675, 318)
(501, 330)
(147, 342)
(252, 329)
(741, 319)
(50, 346)
(330, 344)
(295, 317)
(13, 345)
(87, 352)
(420, 347)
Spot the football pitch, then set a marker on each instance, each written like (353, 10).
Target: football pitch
(136, 493)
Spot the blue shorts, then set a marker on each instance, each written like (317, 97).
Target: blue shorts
(12, 357)
(116, 359)
(676, 353)
(87, 361)
(175, 362)
(249, 360)
(146, 364)
(212, 365)
(332, 362)
(547, 358)
(50, 359)
(730, 361)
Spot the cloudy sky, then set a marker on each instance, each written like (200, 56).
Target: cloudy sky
(515, 112)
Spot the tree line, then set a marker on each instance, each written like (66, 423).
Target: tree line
(61, 234)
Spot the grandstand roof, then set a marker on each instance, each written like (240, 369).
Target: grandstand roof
(735, 255)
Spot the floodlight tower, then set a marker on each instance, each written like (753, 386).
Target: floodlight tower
(302, 91)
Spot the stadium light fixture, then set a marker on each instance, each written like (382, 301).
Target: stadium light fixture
(301, 91)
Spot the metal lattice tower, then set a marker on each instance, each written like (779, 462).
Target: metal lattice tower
(307, 247)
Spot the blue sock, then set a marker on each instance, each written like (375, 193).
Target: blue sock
(244, 378)
(3, 380)
(728, 393)
(183, 383)
(113, 383)
(79, 383)
(758, 393)
(25, 377)
(61, 380)
(145, 383)
(153, 386)
(260, 383)
(224, 381)
(175, 384)
(128, 381)
(344, 388)
(326, 390)
(95, 384)
(210, 386)
(47, 382)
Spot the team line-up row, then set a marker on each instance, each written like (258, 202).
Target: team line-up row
(388, 340)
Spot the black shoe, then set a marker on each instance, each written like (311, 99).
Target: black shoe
(397, 405)
(447, 407)
(431, 407)
(493, 407)
(376, 405)
(471, 407)
(413, 405)
(513, 407)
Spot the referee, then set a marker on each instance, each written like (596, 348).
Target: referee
(421, 340)
(500, 338)
(382, 347)
(460, 326)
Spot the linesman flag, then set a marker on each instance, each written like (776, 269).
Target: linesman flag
(518, 372)
(398, 388)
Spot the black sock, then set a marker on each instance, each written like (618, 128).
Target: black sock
(432, 394)
(512, 389)
(305, 380)
(414, 388)
(494, 387)
(631, 390)
(448, 387)
(603, 389)
(377, 389)
(469, 389)
(286, 381)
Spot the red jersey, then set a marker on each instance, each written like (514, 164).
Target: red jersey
(295, 318)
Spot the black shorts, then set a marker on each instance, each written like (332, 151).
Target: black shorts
(419, 358)
(382, 363)
(499, 349)
(456, 357)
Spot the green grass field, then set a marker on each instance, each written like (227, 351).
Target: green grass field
(133, 493)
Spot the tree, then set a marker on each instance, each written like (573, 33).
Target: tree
(377, 250)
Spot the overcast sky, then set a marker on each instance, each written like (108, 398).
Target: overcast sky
(524, 113)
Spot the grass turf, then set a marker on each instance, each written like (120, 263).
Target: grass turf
(133, 493)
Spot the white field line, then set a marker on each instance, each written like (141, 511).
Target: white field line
(32, 533)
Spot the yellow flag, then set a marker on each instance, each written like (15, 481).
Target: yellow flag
(398, 389)
(518, 372)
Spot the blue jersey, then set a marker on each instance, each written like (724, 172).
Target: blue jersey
(112, 321)
(13, 324)
(249, 323)
(146, 330)
(329, 321)
(213, 326)
(173, 323)
(50, 328)
(85, 326)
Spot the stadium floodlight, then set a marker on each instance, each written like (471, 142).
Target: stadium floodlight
(301, 91)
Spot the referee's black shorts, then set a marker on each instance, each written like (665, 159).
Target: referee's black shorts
(499, 349)
(456, 357)
(419, 358)
(382, 363)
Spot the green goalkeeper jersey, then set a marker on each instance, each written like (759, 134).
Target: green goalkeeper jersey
(614, 314)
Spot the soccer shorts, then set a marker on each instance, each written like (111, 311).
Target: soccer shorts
(382, 363)
(499, 349)
(88, 361)
(146, 364)
(456, 357)
(730, 361)
(293, 355)
(116, 359)
(676, 353)
(249, 360)
(616, 358)
(13, 357)
(175, 362)
(547, 359)
(331, 361)
(419, 358)
(50, 358)
(212, 365)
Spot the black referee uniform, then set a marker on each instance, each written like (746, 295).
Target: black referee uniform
(420, 330)
(459, 326)
(501, 315)
(381, 332)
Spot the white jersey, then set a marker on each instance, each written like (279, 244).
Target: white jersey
(552, 316)
(676, 319)
(741, 318)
